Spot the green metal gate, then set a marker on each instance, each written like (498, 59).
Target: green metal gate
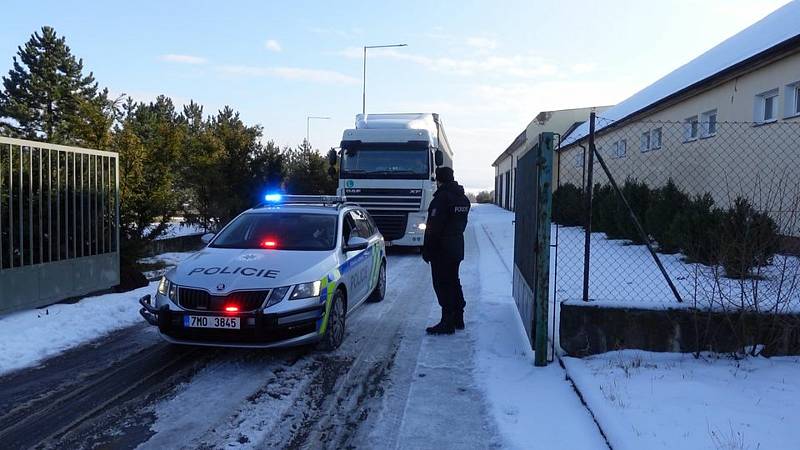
(533, 194)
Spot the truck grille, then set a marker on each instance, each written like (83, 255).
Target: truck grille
(389, 207)
(199, 299)
(409, 200)
(391, 224)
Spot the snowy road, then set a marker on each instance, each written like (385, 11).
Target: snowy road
(388, 386)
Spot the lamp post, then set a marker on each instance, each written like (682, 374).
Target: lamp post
(364, 82)
(308, 126)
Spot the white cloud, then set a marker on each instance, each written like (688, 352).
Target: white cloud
(482, 43)
(272, 45)
(291, 73)
(183, 59)
(522, 66)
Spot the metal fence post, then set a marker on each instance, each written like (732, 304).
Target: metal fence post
(587, 244)
(543, 211)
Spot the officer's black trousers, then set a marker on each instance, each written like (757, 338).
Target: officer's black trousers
(447, 286)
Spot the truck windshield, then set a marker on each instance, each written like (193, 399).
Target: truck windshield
(386, 161)
(279, 231)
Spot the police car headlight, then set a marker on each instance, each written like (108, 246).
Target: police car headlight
(167, 288)
(305, 290)
(277, 295)
(422, 226)
(163, 286)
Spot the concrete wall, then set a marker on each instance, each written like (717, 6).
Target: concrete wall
(586, 329)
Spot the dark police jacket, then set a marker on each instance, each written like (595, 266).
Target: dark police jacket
(447, 220)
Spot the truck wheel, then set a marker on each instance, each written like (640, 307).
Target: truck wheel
(334, 335)
(380, 289)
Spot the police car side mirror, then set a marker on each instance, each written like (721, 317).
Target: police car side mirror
(355, 243)
(438, 158)
(206, 238)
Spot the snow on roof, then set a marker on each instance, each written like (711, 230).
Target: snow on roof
(772, 30)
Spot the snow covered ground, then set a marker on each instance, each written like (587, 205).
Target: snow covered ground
(169, 260)
(534, 407)
(645, 400)
(28, 337)
(626, 275)
(674, 401)
(178, 228)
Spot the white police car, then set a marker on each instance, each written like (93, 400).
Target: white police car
(285, 273)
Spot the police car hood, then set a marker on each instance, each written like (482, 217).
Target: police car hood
(224, 270)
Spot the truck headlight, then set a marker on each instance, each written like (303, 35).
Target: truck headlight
(305, 290)
(276, 295)
(422, 226)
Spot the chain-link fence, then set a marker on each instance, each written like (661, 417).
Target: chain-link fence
(718, 206)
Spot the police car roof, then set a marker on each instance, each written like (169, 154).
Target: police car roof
(332, 209)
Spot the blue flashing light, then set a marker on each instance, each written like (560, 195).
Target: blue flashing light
(273, 198)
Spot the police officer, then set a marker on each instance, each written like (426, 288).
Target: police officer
(444, 249)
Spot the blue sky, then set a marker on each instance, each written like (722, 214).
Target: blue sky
(486, 66)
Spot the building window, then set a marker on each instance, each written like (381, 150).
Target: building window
(644, 145)
(690, 129)
(578, 159)
(619, 148)
(655, 139)
(708, 123)
(793, 100)
(765, 106)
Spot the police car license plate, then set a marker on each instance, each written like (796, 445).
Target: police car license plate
(230, 323)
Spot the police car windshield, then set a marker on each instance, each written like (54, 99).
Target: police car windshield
(280, 231)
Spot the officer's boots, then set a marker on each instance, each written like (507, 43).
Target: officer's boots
(445, 326)
(458, 319)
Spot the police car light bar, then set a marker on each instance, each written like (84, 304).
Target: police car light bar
(279, 199)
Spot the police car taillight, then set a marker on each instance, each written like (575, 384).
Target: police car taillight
(269, 243)
(231, 309)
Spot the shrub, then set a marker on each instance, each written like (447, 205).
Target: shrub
(569, 208)
(637, 194)
(604, 205)
(696, 230)
(665, 203)
(748, 239)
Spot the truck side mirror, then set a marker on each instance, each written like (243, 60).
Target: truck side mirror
(332, 172)
(332, 157)
(438, 158)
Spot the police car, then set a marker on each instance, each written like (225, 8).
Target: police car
(285, 273)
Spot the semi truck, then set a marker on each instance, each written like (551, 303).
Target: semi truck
(387, 165)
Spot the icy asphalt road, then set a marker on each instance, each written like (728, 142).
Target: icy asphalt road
(131, 390)
(388, 387)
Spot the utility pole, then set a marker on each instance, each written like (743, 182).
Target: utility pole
(364, 79)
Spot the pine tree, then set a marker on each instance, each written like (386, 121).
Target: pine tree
(45, 92)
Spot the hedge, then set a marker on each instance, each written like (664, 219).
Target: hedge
(739, 238)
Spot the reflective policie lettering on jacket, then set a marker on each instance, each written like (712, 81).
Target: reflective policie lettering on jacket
(447, 220)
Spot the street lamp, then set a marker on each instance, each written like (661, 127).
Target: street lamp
(308, 125)
(364, 83)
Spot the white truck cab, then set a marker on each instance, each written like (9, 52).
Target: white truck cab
(387, 165)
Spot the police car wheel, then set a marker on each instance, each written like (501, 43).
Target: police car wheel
(336, 324)
(380, 289)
